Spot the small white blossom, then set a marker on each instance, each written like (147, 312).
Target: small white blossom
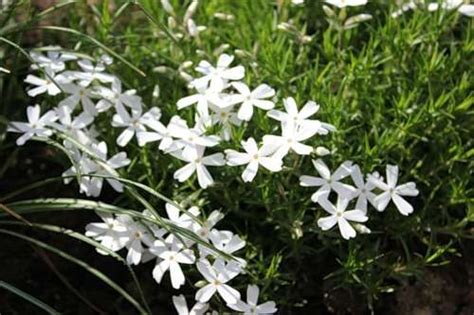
(217, 275)
(111, 233)
(36, 126)
(251, 307)
(248, 99)
(218, 76)
(197, 164)
(171, 256)
(328, 181)
(253, 157)
(394, 192)
(340, 216)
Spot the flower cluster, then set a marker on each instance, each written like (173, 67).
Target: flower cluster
(222, 105)
(145, 241)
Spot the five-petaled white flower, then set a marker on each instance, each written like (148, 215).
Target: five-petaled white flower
(36, 126)
(363, 191)
(197, 163)
(217, 275)
(48, 84)
(291, 139)
(254, 157)
(251, 307)
(205, 97)
(394, 192)
(248, 99)
(339, 216)
(111, 233)
(328, 181)
(220, 75)
(171, 256)
(300, 118)
(133, 124)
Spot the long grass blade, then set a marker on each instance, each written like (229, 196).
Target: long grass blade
(28, 297)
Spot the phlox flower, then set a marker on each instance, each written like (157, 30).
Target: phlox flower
(226, 242)
(251, 307)
(290, 140)
(111, 233)
(253, 157)
(328, 181)
(248, 99)
(182, 307)
(133, 124)
(197, 164)
(171, 256)
(190, 139)
(54, 60)
(224, 117)
(47, 85)
(93, 186)
(160, 132)
(205, 228)
(218, 76)
(138, 234)
(363, 191)
(203, 99)
(36, 126)
(217, 275)
(74, 127)
(394, 192)
(91, 72)
(300, 118)
(115, 97)
(340, 216)
(79, 94)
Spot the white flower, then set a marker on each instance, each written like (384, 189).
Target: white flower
(184, 220)
(301, 118)
(339, 216)
(36, 126)
(78, 93)
(363, 189)
(115, 97)
(253, 157)
(48, 84)
(394, 192)
(72, 126)
(346, 3)
(138, 235)
(249, 99)
(225, 117)
(204, 229)
(217, 275)
(329, 181)
(226, 242)
(111, 233)
(90, 72)
(197, 163)
(171, 255)
(290, 139)
(190, 138)
(182, 307)
(203, 99)
(54, 60)
(94, 185)
(251, 307)
(134, 123)
(220, 75)
(160, 132)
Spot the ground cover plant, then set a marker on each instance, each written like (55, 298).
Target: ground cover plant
(223, 156)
